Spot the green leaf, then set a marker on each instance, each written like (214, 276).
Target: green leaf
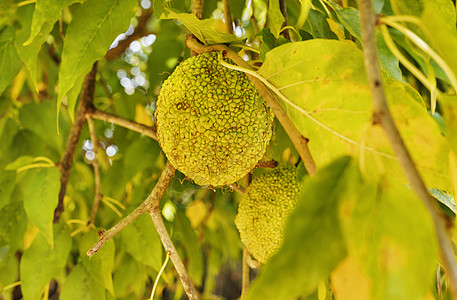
(391, 234)
(8, 12)
(191, 245)
(129, 277)
(439, 17)
(326, 81)
(46, 13)
(29, 53)
(39, 263)
(13, 224)
(94, 27)
(350, 18)
(100, 266)
(313, 240)
(140, 240)
(275, 18)
(445, 198)
(41, 188)
(7, 183)
(317, 25)
(449, 104)
(206, 30)
(81, 285)
(10, 64)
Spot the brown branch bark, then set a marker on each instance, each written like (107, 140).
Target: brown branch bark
(228, 17)
(96, 166)
(140, 31)
(299, 141)
(382, 116)
(86, 99)
(132, 125)
(283, 8)
(245, 272)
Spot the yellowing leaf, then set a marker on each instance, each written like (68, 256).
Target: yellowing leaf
(349, 281)
(142, 116)
(196, 212)
(324, 90)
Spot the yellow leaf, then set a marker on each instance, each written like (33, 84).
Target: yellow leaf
(142, 116)
(196, 212)
(349, 281)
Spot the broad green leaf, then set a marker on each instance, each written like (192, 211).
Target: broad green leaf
(81, 285)
(140, 240)
(41, 188)
(439, 18)
(93, 28)
(46, 13)
(8, 10)
(72, 97)
(29, 53)
(192, 247)
(391, 235)
(313, 240)
(317, 25)
(13, 223)
(39, 263)
(208, 31)
(325, 79)
(100, 266)
(7, 183)
(275, 18)
(130, 276)
(40, 119)
(449, 104)
(10, 64)
(350, 18)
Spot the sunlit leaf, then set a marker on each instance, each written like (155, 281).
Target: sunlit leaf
(13, 223)
(40, 263)
(99, 268)
(350, 282)
(7, 183)
(94, 27)
(275, 17)
(46, 13)
(389, 231)
(41, 188)
(313, 240)
(140, 240)
(80, 285)
(208, 31)
(326, 81)
(439, 18)
(350, 18)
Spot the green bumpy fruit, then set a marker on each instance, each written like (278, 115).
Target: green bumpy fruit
(211, 123)
(264, 208)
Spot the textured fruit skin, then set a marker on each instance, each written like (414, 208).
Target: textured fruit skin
(211, 123)
(264, 208)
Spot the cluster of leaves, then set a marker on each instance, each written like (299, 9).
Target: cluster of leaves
(358, 231)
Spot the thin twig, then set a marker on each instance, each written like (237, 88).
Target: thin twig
(300, 142)
(86, 100)
(156, 195)
(156, 216)
(96, 166)
(283, 8)
(228, 17)
(132, 125)
(245, 272)
(198, 7)
(382, 116)
(140, 31)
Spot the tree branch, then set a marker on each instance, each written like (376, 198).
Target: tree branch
(140, 31)
(245, 272)
(132, 125)
(382, 116)
(300, 142)
(228, 17)
(198, 6)
(96, 166)
(283, 8)
(155, 196)
(86, 99)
